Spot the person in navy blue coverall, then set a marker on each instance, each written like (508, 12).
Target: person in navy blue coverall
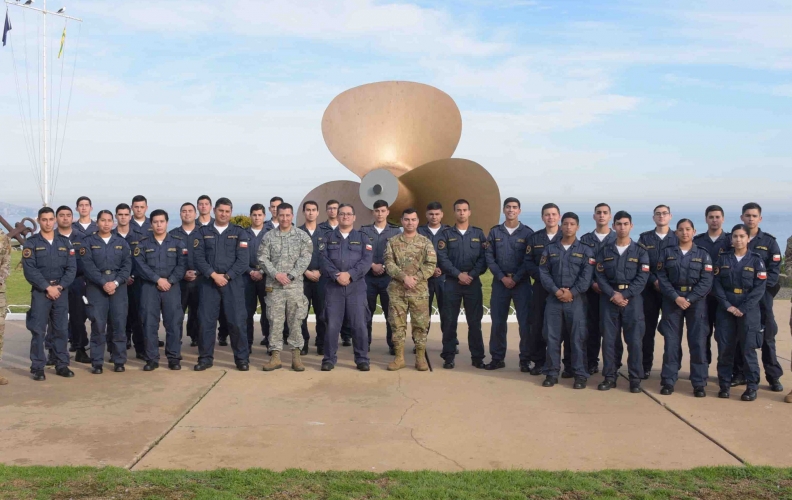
(188, 286)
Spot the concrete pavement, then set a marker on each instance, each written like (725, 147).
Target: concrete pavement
(446, 420)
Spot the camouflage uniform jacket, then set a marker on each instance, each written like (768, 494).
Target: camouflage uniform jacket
(5, 260)
(787, 263)
(410, 257)
(288, 252)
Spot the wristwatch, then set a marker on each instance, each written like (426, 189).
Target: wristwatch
(116, 283)
(291, 278)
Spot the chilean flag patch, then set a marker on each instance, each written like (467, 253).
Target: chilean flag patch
(243, 244)
(645, 268)
(184, 251)
(708, 268)
(71, 251)
(592, 261)
(368, 247)
(777, 258)
(762, 275)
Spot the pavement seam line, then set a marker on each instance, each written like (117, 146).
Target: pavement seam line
(691, 425)
(140, 456)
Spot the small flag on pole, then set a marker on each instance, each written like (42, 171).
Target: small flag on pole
(63, 40)
(6, 28)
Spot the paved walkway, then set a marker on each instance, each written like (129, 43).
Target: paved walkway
(446, 420)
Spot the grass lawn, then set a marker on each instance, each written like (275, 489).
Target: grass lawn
(18, 290)
(85, 482)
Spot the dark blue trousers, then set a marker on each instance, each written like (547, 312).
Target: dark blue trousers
(189, 302)
(377, 286)
(454, 295)
(535, 345)
(350, 305)
(78, 334)
(436, 286)
(628, 321)
(652, 304)
(565, 320)
(103, 310)
(770, 362)
(154, 302)
(500, 301)
(255, 294)
(315, 295)
(42, 312)
(732, 333)
(671, 327)
(231, 298)
(134, 326)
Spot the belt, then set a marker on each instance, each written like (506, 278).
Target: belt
(737, 291)
(54, 282)
(107, 271)
(685, 288)
(621, 287)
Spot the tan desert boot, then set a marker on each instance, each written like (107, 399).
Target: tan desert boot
(420, 359)
(3, 381)
(398, 361)
(787, 399)
(296, 361)
(274, 362)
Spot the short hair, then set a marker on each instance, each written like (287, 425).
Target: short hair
(157, 213)
(224, 201)
(257, 206)
(682, 221)
(187, 204)
(122, 206)
(82, 198)
(380, 204)
(742, 227)
(408, 211)
(139, 198)
(571, 215)
(435, 205)
(332, 202)
(661, 206)
(511, 199)
(600, 205)
(713, 208)
(752, 206)
(283, 207)
(344, 205)
(204, 197)
(461, 201)
(548, 206)
(276, 198)
(63, 208)
(621, 214)
(310, 202)
(45, 210)
(102, 212)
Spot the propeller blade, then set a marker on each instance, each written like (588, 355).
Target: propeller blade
(392, 125)
(343, 191)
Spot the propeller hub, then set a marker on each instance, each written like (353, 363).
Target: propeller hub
(379, 184)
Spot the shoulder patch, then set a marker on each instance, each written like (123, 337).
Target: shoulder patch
(542, 260)
(600, 267)
(196, 242)
(442, 244)
(528, 249)
(137, 251)
(659, 266)
(82, 251)
(27, 253)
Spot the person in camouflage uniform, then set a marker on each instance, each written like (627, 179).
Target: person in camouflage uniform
(284, 254)
(410, 259)
(5, 272)
(787, 271)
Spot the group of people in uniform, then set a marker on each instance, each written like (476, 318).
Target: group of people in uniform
(574, 296)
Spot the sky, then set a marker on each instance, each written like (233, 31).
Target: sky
(631, 102)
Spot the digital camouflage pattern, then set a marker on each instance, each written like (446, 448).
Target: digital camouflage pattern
(409, 257)
(285, 252)
(5, 272)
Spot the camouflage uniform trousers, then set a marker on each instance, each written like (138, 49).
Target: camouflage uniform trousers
(287, 305)
(418, 307)
(2, 319)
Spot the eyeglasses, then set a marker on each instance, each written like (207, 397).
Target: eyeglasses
(345, 215)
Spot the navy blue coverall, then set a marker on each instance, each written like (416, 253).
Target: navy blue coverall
(377, 285)
(505, 254)
(572, 269)
(715, 249)
(456, 254)
(627, 274)
(352, 255)
(156, 260)
(652, 297)
(435, 284)
(226, 254)
(688, 276)
(536, 346)
(106, 263)
(189, 290)
(346, 330)
(134, 325)
(46, 264)
(740, 284)
(594, 338)
(78, 335)
(314, 290)
(255, 291)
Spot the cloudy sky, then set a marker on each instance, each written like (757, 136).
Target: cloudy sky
(632, 102)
